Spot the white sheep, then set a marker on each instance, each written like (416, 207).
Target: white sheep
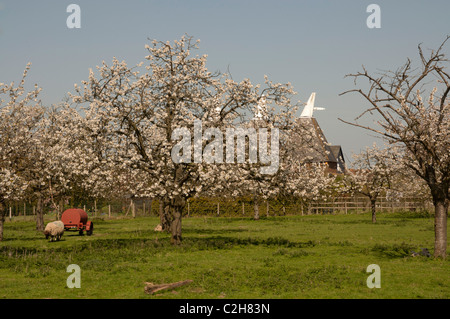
(55, 230)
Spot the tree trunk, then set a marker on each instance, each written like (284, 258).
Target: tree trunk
(150, 207)
(143, 207)
(440, 228)
(176, 207)
(176, 227)
(256, 209)
(40, 215)
(373, 208)
(2, 219)
(161, 208)
(60, 208)
(164, 215)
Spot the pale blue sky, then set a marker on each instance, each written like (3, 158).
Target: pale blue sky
(311, 44)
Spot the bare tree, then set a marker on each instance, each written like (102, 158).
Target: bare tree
(414, 112)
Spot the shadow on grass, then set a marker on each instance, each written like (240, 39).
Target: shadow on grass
(203, 231)
(159, 244)
(410, 214)
(194, 243)
(219, 242)
(393, 251)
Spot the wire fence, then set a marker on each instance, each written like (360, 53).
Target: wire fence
(243, 207)
(362, 204)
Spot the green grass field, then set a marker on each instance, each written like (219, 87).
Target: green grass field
(277, 257)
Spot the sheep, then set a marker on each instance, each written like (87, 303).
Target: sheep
(55, 230)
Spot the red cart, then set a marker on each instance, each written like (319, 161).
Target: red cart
(76, 219)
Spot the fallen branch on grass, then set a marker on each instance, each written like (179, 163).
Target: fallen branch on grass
(151, 288)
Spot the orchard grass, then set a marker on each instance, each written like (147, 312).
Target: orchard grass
(290, 257)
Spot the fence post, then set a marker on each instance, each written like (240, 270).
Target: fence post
(133, 209)
(218, 208)
(243, 209)
(10, 213)
(189, 209)
(267, 208)
(109, 210)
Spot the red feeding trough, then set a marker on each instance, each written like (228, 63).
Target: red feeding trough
(77, 220)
